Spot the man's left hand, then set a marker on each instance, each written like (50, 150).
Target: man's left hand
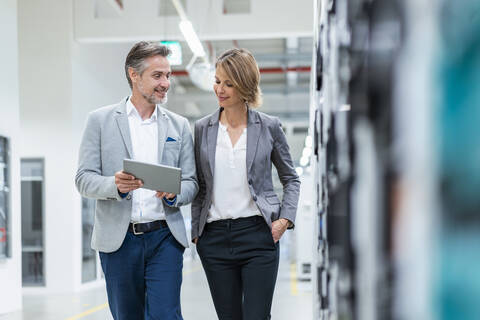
(278, 228)
(161, 194)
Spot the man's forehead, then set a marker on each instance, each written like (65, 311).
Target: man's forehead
(158, 63)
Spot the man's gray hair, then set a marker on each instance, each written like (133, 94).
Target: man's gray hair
(139, 53)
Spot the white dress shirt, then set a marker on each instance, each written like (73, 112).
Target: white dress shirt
(231, 196)
(144, 134)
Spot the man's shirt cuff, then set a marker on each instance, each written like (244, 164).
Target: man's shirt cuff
(170, 202)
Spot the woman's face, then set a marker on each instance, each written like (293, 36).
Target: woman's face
(227, 95)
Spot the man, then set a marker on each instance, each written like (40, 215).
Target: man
(140, 233)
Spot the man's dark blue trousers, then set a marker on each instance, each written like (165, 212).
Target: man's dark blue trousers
(144, 277)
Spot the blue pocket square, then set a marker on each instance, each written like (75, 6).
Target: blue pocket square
(170, 139)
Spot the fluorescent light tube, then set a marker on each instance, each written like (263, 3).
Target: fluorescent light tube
(191, 37)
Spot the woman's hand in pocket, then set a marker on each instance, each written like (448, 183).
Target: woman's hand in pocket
(278, 228)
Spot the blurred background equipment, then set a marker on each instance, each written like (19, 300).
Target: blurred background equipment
(394, 115)
(458, 183)
(357, 44)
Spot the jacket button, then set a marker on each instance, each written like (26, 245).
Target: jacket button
(249, 181)
(129, 197)
(254, 198)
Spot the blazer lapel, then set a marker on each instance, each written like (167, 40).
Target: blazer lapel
(122, 122)
(162, 121)
(253, 134)
(212, 133)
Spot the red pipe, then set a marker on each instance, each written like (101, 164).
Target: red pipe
(179, 73)
(283, 70)
(262, 70)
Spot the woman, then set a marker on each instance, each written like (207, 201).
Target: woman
(237, 219)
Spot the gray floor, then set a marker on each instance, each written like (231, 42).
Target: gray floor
(292, 300)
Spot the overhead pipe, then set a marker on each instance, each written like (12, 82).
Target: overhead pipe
(262, 70)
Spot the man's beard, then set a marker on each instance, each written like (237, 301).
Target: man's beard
(154, 100)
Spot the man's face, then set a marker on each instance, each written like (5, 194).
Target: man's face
(154, 82)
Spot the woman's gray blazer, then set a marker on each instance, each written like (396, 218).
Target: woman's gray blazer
(266, 144)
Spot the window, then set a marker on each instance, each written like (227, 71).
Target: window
(4, 198)
(236, 6)
(32, 178)
(166, 8)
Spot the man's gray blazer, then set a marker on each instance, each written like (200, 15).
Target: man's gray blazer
(106, 142)
(266, 144)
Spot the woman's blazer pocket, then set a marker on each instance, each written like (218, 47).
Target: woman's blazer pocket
(273, 202)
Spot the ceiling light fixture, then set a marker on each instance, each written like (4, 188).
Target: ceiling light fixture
(201, 73)
(191, 38)
(188, 32)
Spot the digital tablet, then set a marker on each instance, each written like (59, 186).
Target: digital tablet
(155, 176)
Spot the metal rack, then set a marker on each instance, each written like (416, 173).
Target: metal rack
(351, 112)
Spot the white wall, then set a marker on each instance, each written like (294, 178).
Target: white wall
(10, 269)
(45, 45)
(98, 79)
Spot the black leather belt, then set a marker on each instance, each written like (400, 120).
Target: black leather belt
(141, 228)
(236, 222)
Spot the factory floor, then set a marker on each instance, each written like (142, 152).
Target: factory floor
(292, 300)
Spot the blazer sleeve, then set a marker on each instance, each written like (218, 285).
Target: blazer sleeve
(282, 160)
(197, 203)
(89, 179)
(189, 185)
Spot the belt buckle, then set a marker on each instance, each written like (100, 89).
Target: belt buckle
(134, 230)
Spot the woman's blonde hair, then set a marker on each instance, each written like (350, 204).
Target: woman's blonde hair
(242, 69)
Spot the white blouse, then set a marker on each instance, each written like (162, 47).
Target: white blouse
(231, 196)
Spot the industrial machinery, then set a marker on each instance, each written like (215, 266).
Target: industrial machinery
(394, 118)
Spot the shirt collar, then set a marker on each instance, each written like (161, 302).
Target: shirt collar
(131, 110)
